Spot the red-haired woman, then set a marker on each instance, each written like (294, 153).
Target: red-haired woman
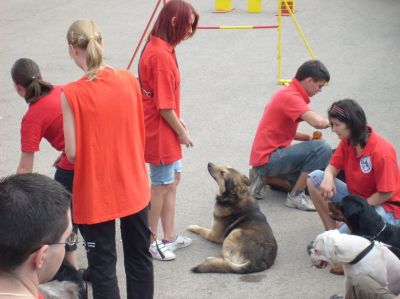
(165, 131)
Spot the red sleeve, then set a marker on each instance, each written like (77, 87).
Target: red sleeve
(31, 135)
(385, 173)
(337, 159)
(295, 107)
(164, 84)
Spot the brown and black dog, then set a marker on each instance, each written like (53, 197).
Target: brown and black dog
(248, 244)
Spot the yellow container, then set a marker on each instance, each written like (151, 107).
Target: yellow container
(223, 5)
(254, 5)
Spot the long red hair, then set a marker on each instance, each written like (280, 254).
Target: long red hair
(182, 12)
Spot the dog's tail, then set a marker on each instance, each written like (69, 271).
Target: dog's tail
(219, 265)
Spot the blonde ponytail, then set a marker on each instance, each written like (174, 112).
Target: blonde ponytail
(85, 35)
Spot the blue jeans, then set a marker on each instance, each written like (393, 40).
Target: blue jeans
(287, 163)
(342, 191)
(164, 174)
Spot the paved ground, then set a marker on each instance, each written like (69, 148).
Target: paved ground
(227, 76)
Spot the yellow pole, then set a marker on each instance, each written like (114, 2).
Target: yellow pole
(279, 47)
(299, 30)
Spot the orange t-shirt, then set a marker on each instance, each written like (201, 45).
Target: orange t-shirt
(110, 175)
(278, 125)
(159, 75)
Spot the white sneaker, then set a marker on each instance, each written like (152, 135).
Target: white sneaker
(160, 252)
(256, 184)
(302, 202)
(180, 242)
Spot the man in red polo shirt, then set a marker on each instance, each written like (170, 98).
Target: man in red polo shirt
(274, 159)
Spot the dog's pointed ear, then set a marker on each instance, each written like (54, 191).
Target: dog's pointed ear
(246, 180)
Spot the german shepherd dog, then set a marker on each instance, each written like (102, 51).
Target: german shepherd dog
(364, 221)
(248, 244)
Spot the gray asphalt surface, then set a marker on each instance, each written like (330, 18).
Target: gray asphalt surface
(227, 77)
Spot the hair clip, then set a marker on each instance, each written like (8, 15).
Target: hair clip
(33, 77)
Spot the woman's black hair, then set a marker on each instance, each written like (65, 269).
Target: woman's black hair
(26, 72)
(350, 112)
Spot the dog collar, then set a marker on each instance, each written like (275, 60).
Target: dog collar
(377, 235)
(362, 254)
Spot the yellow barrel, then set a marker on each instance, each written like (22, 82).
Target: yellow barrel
(254, 5)
(223, 5)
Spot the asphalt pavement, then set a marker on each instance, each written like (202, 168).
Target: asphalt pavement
(227, 77)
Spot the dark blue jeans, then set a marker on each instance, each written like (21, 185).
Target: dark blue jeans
(102, 257)
(287, 163)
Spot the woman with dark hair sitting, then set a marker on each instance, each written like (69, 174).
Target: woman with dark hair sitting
(369, 162)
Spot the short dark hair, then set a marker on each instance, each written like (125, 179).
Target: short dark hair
(33, 212)
(350, 112)
(314, 69)
(182, 11)
(26, 72)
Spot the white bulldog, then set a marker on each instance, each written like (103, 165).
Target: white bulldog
(332, 247)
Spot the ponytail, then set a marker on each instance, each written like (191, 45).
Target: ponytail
(26, 72)
(86, 35)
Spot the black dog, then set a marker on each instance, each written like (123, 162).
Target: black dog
(68, 273)
(364, 221)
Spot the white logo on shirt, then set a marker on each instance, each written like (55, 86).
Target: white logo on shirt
(365, 164)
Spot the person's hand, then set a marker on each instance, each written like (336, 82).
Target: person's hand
(186, 139)
(327, 187)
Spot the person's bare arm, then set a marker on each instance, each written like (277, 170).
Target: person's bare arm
(69, 129)
(172, 119)
(379, 198)
(302, 136)
(315, 120)
(26, 163)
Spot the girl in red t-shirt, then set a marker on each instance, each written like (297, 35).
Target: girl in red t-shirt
(165, 131)
(42, 120)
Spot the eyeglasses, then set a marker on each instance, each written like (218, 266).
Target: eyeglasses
(71, 241)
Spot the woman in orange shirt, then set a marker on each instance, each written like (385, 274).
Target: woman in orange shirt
(104, 138)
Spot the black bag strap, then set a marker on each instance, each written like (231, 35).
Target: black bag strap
(147, 92)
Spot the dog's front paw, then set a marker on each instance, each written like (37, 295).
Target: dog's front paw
(193, 228)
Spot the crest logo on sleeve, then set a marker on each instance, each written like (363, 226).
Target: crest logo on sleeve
(365, 164)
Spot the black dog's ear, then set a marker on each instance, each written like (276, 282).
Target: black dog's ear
(352, 205)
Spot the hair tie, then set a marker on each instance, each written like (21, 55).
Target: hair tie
(90, 38)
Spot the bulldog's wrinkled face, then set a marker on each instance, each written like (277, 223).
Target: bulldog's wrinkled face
(324, 249)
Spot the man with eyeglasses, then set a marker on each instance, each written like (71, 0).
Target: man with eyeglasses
(35, 225)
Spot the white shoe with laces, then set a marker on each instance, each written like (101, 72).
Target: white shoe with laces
(180, 242)
(301, 201)
(160, 252)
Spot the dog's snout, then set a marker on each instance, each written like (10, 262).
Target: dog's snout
(210, 165)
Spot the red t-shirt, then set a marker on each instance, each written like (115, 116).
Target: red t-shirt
(110, 173)
(375, 169)
(159, 74)
(278, 125)
(44, 120)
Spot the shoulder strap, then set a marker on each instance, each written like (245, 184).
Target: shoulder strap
(147, 92)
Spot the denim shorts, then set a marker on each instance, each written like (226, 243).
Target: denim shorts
(341, 191)
(164, 174)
